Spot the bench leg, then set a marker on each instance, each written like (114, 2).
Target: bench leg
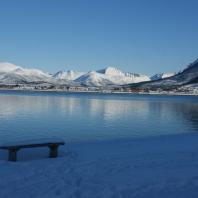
(12, 155)
(53, 151)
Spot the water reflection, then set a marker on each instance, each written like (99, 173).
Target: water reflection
(80, 118)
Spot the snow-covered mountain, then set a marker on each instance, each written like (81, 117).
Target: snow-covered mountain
(162, 76)
(118, 77)
(93, 78)
(187, 76)
(112, 71)
(7, 67)
(192, 64)
(12, 74)
(110, 76)
(68, 75)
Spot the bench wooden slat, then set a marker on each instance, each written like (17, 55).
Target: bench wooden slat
(14, 147)
(31, 145)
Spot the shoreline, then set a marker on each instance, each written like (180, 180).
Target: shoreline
(102, 92)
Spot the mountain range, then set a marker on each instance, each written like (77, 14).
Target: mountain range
(189, 76)
(11, 74)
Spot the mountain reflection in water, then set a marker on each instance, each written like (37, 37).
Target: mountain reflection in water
(79, 117)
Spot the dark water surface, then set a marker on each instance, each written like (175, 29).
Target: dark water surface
(94, 116)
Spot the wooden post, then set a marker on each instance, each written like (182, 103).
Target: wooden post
(53, 151)
(13, 155)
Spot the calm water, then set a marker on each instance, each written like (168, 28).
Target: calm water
(81, 116)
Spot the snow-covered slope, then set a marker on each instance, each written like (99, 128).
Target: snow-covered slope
(68, 75)
(162, 76)
(119, 77)
(94, 79)
(192, 64)
(110, 76)
(12, 74)
(111, 71)
(184, 77)
(164, 167)
(7, 67)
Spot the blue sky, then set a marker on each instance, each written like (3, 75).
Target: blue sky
(144, 36)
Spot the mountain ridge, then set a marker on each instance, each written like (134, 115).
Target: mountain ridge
(11, 74)
(186, 76)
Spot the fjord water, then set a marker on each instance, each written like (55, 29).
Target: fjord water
(94, 116)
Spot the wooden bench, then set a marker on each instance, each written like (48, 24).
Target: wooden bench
(13, 148)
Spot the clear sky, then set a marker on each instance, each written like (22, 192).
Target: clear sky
(144, 36)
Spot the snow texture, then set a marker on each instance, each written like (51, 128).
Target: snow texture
(12, 74)
(151, 167)
(68, 75)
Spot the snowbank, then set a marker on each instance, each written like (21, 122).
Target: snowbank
(151, 167)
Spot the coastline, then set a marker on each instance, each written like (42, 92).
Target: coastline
(103, 92)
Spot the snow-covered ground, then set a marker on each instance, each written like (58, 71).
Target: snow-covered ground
(165, 167)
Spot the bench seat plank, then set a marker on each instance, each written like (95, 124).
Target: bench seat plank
(13, 148)
(20, 146)
(32, 143)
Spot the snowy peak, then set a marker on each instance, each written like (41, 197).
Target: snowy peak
(7, 67)
(110, 76)
(119, 77)
(12, 74)
(93, 78)
(162, 76)
(192, 64)
(196, 61)
(104, 77)
(30, 72)
(187, 76)
(111, 71)
(68, 75)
